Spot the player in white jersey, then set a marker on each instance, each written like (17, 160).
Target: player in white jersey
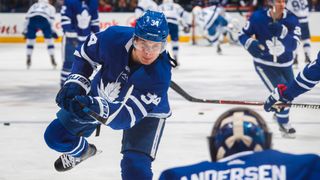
(301, 10)
(143, 6)
(176, 16)
(40, 16)
(212, 22)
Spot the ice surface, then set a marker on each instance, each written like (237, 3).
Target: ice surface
(27, 102)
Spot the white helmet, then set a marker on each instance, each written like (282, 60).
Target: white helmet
(43, 1)
(167, 1)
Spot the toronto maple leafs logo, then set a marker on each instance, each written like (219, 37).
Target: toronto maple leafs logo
(83, 19)
(109, 92)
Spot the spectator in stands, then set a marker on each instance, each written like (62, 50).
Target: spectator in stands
(121, 6)
(314, 5)
(132, 5)
(105, 6)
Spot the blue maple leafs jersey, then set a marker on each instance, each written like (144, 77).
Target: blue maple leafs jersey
(268, 164)
(111, 50)
(79, 18)
(306, 80)
(258, 24)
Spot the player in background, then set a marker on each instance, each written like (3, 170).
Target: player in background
(176, 16)
(212, 21)
(41, 16)
(277, 34)
(130, 90)
(79, 18)
(240, 148)
(300, 8)
(305, 81)
(143, 6)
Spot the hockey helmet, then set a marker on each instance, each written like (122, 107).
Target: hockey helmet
(237, 130)
(152, 26)
(43, 1)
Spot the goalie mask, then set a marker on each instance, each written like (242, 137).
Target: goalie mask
(237, 130)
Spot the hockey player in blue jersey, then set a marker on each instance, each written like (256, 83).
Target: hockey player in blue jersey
(277, 34)
(305, 81)
(40, 16)
(79, 18)
(129, 90)
(239, 146)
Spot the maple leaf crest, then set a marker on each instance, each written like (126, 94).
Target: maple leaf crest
(109, 92)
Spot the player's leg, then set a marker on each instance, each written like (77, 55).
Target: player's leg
(66, 135)
(173, 31)
(31, 39)
(305, 39)
(46, 29)
(139, 148)
(69, 45)
(271, 77)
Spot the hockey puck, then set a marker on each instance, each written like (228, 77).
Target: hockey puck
(201, 113)
(6, 124)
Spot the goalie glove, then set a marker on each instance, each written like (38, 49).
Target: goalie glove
(276, 97)
(75, 85)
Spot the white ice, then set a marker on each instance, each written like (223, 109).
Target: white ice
(27, 103)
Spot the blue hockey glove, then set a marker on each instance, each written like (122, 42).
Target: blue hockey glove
(278, 30)
(24, 34)
(54, 35)
(75, 85)
(276, 97)
(96, 104)
(256, 49)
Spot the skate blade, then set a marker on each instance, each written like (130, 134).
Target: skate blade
(288, 136)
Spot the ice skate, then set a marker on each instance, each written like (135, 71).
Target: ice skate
(66, 162)
(307, 59)
(287, 131)
(53, 62)
(219, 50)
(28, 61)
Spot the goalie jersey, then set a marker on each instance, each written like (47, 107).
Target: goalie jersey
(286, 44)
(306, 79)
(268, 164)
(111, 50)
(79, 18)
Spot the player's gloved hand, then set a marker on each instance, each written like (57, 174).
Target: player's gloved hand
(75, 85)
(256, 49)
(186, 29)
(24, 34)
(275, 98)
(278, 30)
(54, 35)
(97, 104)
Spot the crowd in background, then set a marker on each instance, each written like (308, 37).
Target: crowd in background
(129, 5)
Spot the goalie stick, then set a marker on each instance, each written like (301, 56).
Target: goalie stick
(190, 98)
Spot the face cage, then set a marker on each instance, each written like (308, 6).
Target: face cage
(144, 47)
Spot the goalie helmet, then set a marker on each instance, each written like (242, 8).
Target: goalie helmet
(152, 26)
(237, 130)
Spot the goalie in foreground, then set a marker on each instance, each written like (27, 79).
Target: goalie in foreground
(240, 148)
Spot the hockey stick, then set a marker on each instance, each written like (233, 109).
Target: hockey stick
(106, 120)
(274, 38)
(190, 98)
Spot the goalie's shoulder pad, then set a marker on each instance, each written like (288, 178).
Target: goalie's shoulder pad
(80, 80)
